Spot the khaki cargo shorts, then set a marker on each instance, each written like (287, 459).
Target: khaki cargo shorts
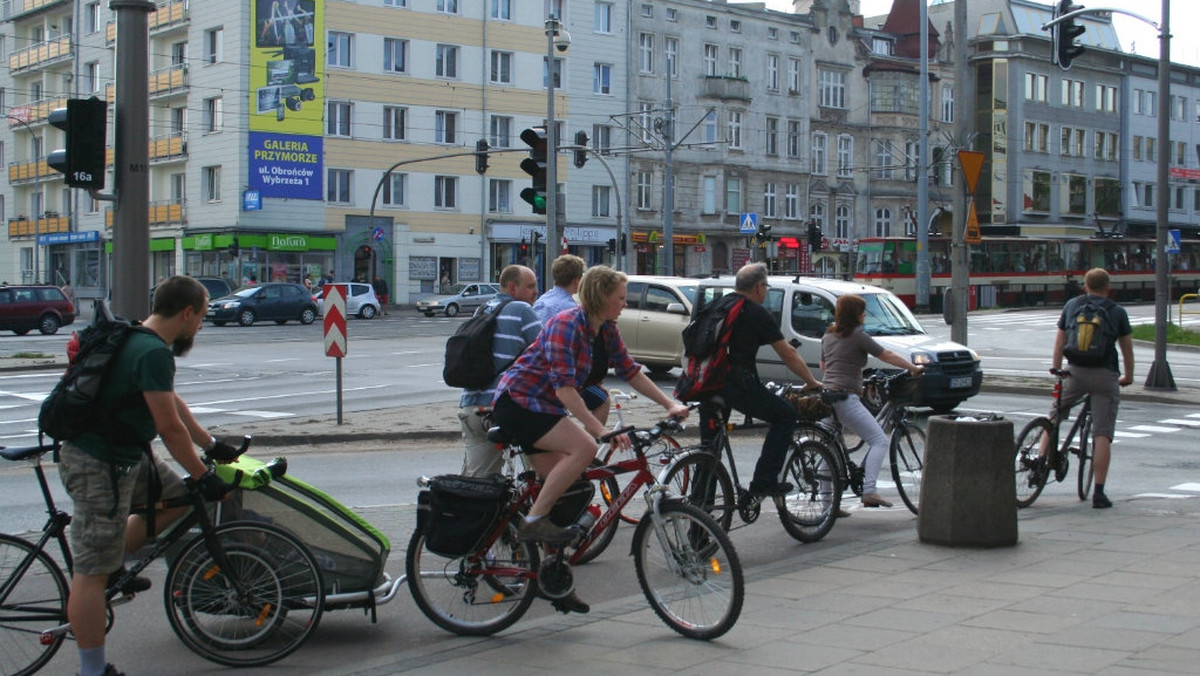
(97, 532)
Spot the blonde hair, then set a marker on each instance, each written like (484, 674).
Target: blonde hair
(598, 284)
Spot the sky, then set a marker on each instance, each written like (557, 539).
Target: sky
(1135, 35)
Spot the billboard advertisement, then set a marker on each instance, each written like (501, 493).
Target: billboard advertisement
(287, 97)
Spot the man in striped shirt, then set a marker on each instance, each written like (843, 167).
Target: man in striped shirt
(517, 326)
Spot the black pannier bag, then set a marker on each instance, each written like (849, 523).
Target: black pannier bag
(459, 511)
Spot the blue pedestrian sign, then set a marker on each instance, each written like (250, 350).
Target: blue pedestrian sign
(1172, 241)
(749, 223)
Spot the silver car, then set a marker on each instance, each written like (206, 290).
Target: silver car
(361, 300)
(457, 298)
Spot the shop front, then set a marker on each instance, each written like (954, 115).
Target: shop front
(245, 256)
(514, 243)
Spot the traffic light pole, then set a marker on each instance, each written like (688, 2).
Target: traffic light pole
(131, 161)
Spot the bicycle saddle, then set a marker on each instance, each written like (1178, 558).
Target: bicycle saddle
(499, 436)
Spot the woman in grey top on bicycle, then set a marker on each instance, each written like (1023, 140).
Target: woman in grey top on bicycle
(844, 351)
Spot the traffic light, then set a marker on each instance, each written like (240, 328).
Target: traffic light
(524, 246)
(764, 232)
(581, 156)
(1066, 49)
(621, 244)
(814, 237)
(537, 237)
(82, 162)
(535, 166)
(234, 248)
(481, 156)
(612, 246)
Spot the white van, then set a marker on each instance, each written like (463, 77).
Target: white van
(804, 307)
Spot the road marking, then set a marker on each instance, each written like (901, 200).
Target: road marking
(205, 409)
(1129, 435)
(1180, 421)
(1191, 486)
(1154, 428)
(269, 415)
(1166, 496)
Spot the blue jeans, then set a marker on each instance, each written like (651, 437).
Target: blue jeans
(746, 393)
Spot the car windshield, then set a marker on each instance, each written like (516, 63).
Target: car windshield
(455, 290)
(887, 316)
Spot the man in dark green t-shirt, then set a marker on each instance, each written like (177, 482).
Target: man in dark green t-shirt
(105, 472)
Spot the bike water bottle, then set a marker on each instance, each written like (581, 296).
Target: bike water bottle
(590, 516)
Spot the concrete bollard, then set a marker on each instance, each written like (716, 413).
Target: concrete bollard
(968, 491)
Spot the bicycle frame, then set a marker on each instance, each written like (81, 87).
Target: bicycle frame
(1060, 412)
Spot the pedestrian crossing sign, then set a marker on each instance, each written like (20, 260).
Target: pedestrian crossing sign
(1172, 241)
(749, 223)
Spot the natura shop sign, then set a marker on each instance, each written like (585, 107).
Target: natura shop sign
(287, 242)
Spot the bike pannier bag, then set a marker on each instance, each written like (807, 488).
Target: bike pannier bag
(1091, 332)
(462, 510)
(469, 361)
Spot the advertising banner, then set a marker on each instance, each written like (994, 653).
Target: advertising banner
(287, 98)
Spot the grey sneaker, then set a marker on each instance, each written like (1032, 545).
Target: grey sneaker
(570, 604)
(544, 530)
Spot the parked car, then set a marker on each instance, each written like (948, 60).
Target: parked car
(656, 310)
(27, 307)
(804, 307)
(218, 287)
(361, 300)
(457, 298)
(276, 301)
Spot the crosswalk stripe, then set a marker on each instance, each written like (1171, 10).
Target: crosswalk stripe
(1154, 428)
(1129, 435)
(1180, 421)
(269, 415)
(1190, 486)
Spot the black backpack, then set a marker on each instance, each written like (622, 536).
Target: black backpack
(469, 362)
(702, 335)
(74, 406)
(1091, 332)
(706, 344)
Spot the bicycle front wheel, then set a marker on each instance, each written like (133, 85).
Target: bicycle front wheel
(1031, 465)
(660, 454)
(476, 595)
(908, 463)
(1087, 468)
(688, 570)
(259, 609)
(810, 510)
(700, 477)
(31, 604)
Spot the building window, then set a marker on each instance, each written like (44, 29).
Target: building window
(602, 78)
(600, 201)
(710, 60)
(645, 114)
(445, 125)
(710, 127)
(816, 214)
(912, 159)
(883, 159)
(1076, 195)
(883, 222)
(831, 85)
(646, 52)
(735, 26)
(735, 130)
(1037, 137)
(791, 201)
(894, 93)
(337, 186)
(395, 3)
(558, 71)
(1106, 98)
(1035, 87)
(769, 200)
(772, 136)
(213, 39)
(445, 192)
(794, 137)
(671, 53)
(90, 77)
(733, 195)
(643, 181)
(91, 17)
(1072, 93)
(671, 14)
(845, 159)
(500, 131)
(647, 10)
(1151, 149)
(501, 69)
(338, 118)
(447, 6)
(213, 116)
(773, 72)
(1071, 142)
(793, 76)
(212, 184)
(500, 196)
(735, 62)
(395, 123)
(820, 145)
(601, 138)
(395, 190)
(948, 104)
(341, 50)
(841, 222)
(1037, 191)
(395, 55)
(501, 9)
(446, 61)
(603, 17)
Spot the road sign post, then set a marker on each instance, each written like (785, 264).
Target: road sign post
(334, 305)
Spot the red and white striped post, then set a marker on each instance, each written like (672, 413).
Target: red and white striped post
(334, 304)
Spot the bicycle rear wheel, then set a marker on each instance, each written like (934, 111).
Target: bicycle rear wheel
(700, 477)
(30, 605)
(476, 595)
(908, 463)
(809, 512)
(689, 571)
(1087, 468)
(1031, 466)
(259, 610)
(660, 454)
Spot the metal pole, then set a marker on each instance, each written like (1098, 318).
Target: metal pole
(553, 239)
(1159, 377)
(959, 259)
(669, 182)
(131, 160)
(922, 300)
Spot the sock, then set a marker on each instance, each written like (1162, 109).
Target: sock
(1099, 489)
(92, 662)
(531, 518)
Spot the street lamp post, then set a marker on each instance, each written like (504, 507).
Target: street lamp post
(1159, 377)
(557, 38)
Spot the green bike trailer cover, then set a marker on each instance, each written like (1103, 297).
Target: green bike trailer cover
(350, 551)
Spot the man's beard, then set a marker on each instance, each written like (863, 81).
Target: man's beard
(183, 345)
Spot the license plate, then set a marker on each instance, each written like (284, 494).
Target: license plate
(960, 382)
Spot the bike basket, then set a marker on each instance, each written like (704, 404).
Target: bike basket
(459, 511)
(350, 552)
(904, 391)
(810, 407)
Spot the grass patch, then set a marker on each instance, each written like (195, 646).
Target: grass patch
(1175, 334)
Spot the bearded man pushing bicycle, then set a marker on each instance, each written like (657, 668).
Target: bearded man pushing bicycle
(1089, 330)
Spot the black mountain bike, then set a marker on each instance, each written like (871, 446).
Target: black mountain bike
(242, 593)
(1039, 453)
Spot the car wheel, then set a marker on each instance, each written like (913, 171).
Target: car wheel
(48, 325)
(20, 332)
(218, 323)
(367, 312)
(281, 322)
(451, 310)
(658, 369)
(245, 317)
(308, 315)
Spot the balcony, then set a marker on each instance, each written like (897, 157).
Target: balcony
(169, 147)
(23, 172)
(168, 80)
(162, 213)
(168, 15)
(40, 55)
(13, 9)
(37, 112)
(28, 227)
(725, 88)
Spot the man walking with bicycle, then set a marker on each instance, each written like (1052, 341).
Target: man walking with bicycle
(1089, 330)
(105, 470)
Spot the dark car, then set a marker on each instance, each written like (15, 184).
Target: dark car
(24, 308)
(275, 301)
(218, 287)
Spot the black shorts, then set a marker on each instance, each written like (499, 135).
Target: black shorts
(524, 426)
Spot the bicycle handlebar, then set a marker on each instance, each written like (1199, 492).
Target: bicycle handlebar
(241, 449)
